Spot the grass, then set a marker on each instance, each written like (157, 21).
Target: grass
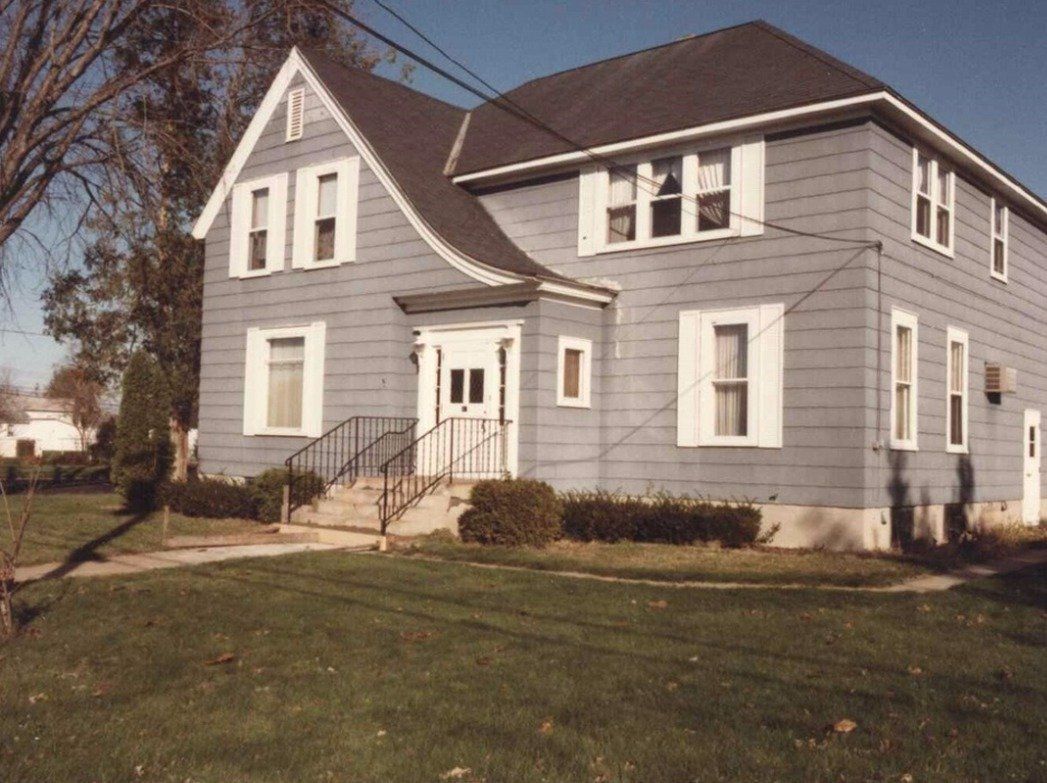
(666, 562)
(86, 525)
(336, 667)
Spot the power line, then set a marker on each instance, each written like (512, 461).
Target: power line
(505, 103)
(25, 332)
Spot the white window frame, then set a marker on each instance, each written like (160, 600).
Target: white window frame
(1003, 235)
(240, 226)
(305, 213)
(936, 200)
(954, 335)
(746, 200)
(585, 372)
(295, 103)
(256, 380)
(696, 397)
(910, 321)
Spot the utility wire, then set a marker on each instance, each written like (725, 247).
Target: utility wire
(501, 101)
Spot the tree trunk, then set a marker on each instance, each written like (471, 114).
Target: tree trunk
(7, 588)
(180, 438)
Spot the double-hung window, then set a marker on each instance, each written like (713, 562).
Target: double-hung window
(574, 372)
(730, 377)
(1000, 218)
(665, 199)
(325, 214)
(258, 216)
(283, 381)
(904, 386)
(956, 363)
(933, 199)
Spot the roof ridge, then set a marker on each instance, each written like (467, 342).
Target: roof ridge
(832, 61)
(682, 39)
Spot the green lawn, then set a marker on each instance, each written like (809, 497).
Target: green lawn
(87, 525)
(671, 563)
(375, 668)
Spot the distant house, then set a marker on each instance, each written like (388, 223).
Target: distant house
(737, 267)
(41, 424)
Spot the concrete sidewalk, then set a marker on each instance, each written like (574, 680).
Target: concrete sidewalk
(119, 565)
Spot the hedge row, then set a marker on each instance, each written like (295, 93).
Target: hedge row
(522, 512)
(258, 498)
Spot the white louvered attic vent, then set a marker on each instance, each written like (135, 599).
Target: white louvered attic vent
(295, 112)
(1000, 379)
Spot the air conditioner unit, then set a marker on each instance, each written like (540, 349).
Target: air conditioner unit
(1000, 379)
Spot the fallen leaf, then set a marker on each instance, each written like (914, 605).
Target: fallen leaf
(101, 690)
(1005, 674)
(381, 733)
(546, 727)
(415, 636)
(672, 686)
(845, 726)
(455, 773)
(661, 604)
(915, 671)
(223, 658)
(483, 660)
(37, 697)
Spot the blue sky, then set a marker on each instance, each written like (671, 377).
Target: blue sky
(979, 68)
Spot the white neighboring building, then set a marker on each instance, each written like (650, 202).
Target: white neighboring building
(45, 423)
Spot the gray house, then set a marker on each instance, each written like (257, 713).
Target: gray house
(731, 266)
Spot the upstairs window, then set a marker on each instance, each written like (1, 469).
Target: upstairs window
(1000, 218)
(904, 349)
(668, 199)
(325, 214)
(933, 201)
(258, 217)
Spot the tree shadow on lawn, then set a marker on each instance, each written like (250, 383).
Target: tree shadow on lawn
(89, 550)
(743, 654)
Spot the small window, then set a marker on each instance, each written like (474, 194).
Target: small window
(933, 200)
(295, 114)
(1000, 218)
(904, 365)
(457, 386)
(956, 393)
(476, 386)
(258, 235)
(574, 373)
(326, 212)
(283, 381)
(730, 377)
(667, 198)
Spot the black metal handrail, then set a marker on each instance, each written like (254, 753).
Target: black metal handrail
(456, 447)
(357, 447)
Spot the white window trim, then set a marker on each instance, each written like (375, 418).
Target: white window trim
(746, 201)
(240, 226)
(695, 394)
(585, 370)
(935, 198)
(994, 233)
(306, 196)
(953, 335)
(293, 96)
(256, 381)
(903, 318)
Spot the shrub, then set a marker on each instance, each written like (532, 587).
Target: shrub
(512, 512)
(268, 489)
(210, 497)
(65, 458)
(142, 456)
(663, 519)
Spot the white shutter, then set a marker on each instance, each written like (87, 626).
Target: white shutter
(239, 209)
(313, 381)
(295, 114)
(276, 241)
(348, 196)
(304, 210)
(771, 378)
(687, 380)
(254, 382)
(750, 182)
(587, 217)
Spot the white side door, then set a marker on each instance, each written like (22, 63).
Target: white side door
(1032, 448)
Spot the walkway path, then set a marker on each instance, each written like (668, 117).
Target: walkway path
(119, 565)
(931, 583)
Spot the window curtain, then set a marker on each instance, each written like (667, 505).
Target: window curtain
(714, 195)
(621, 209)
(286, 375)
(732, 388)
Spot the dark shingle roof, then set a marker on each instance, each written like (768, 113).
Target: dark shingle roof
(744, 70)
(413, 134)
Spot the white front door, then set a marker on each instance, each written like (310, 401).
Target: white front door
(468, 386)
(1031, 447)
